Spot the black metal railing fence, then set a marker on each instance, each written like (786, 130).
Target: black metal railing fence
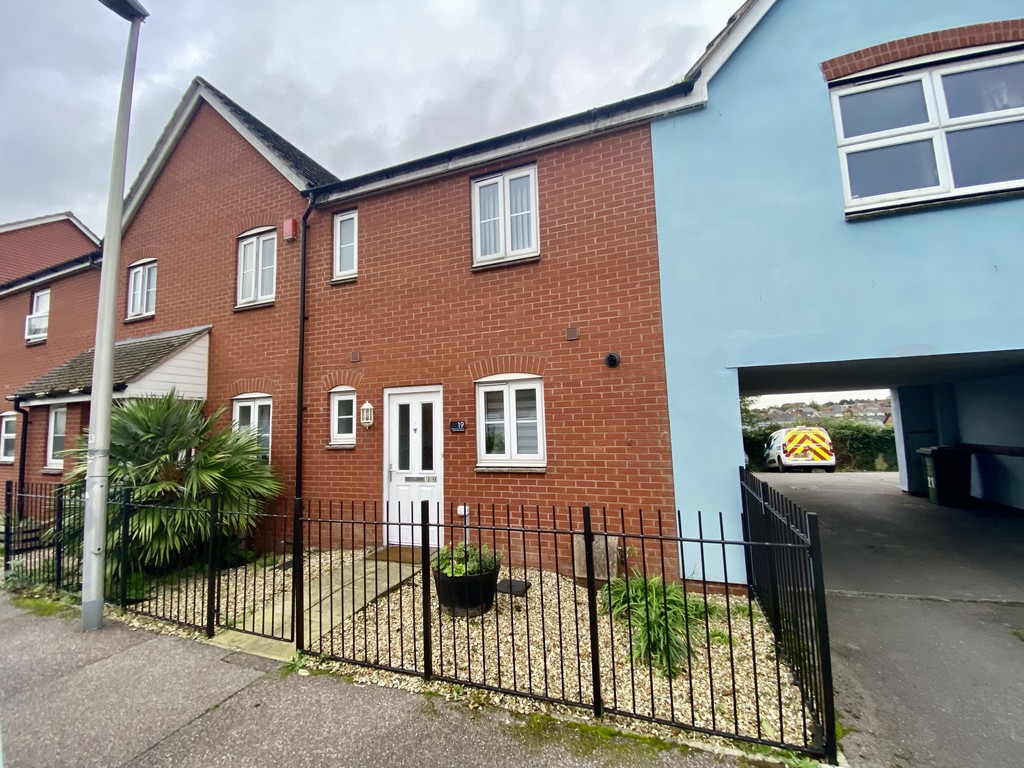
(599, 608)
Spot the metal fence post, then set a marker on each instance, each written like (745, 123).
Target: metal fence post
(211, 567)
(126, 513)
(58, 542)
(8, 521)
(595, 659)
(428, 650)
(828, 714)
(298, 601)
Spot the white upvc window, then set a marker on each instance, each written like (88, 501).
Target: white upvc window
(37, 323)
(505, 224)
(55, 436)
(257, 266)
(252, 411)
(510, 421)
(346, 245)
(142, 288)
(8, 430)
(951, 130)
(343, 416)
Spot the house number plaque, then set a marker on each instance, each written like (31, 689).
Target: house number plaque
(457, 426)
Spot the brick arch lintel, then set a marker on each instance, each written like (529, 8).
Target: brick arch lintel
(517, 363)
(252, 384)
(341, 379)
(253, 220)
(990, 33)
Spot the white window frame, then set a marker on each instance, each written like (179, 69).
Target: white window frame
(54, 461)
(142, 289)
(36, 315)
(8, 433)
(339, 273)
(339, 395)
(937, 127)
(255, 400)
(505, 253)
(508, 384)
(249, 291)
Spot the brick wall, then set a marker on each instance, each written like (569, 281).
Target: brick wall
(214, 187)
(1010, 31)
(418, 315)
(72, 330)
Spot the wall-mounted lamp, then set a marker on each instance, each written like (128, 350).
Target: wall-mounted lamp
(366, 415)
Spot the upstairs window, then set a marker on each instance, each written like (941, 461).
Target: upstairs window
(55, 436)
(252, 411)
(8, 428)
(346, 247)
(257, 266)
(343, 416)
(510, 421)
(948, 131)
(505, 217)
(37, 323)
(142, 289)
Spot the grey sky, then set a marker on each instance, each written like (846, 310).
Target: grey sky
(356, 85)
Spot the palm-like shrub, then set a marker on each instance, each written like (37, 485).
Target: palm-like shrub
(173, 460)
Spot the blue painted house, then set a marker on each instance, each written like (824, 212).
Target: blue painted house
(846, 211)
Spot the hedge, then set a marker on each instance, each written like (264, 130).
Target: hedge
(859, 446)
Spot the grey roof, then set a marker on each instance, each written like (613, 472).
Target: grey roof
(305, 166)
(132, 358)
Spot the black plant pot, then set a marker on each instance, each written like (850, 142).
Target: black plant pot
(466, 595)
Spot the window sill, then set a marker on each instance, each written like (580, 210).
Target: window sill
(53, 470)
(340, 447)
(505, 262)
(896, 208)
(6, 461)
(253, 305)
(344, 279)
(512, 470)
(139, 318)
(34, 342)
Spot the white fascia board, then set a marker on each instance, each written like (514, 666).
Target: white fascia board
(696, 99)
(296, 181)
(716, 56)
(49, 278)
(167, 143)
(50, 219)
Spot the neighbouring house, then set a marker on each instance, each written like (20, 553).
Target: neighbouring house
(49, 280)
(877, 150)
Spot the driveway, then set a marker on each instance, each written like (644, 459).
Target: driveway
(923, 602)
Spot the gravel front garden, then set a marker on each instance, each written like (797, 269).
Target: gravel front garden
(539, 645)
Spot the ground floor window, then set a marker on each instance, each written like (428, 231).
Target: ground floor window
(252, 411)
(55, 436)
(343, 416)
(510, 421)
(8, 427)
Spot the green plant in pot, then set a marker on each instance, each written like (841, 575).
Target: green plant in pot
(466, 578)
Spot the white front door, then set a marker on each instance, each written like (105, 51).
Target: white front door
(413, 462)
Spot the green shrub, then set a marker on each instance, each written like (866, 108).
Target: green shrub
(664, 622)
(466, 560)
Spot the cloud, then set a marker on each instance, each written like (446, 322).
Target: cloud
(357, 86)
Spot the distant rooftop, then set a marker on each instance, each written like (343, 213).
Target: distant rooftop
(33, 245)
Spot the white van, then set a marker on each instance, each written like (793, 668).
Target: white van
(803, 448)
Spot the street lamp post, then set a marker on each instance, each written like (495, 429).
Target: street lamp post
(100, 403)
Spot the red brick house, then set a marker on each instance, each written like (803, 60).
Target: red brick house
(479, 327)
(49, 279)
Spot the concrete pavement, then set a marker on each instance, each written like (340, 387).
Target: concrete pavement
(923, 601)
(124, 697)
